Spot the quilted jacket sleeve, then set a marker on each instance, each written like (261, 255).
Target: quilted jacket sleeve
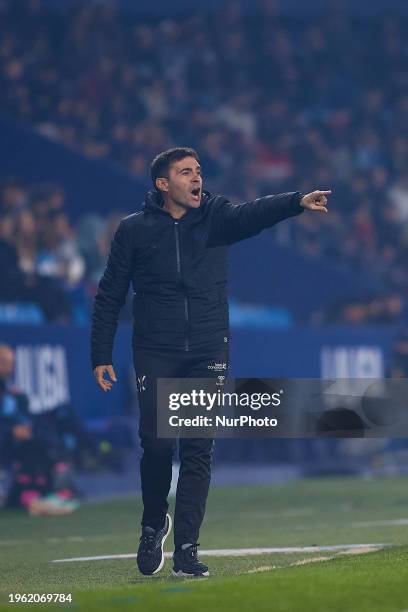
(111, 296)
(234, 222)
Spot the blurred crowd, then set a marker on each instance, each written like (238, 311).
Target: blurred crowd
(42, 452)
(45, 261)
(34, 451)
(270, 103)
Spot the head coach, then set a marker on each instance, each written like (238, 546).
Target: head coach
(174, 253)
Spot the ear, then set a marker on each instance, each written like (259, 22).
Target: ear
(162, 184)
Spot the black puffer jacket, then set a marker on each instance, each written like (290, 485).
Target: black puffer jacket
(178, 269)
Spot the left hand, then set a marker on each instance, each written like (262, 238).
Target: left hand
(317, 200)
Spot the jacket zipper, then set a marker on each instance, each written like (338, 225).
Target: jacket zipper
(178, 260)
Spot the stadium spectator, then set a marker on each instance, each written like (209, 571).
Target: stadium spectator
(38, 250)
(271, 100)
(26, 453)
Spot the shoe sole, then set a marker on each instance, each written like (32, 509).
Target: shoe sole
(162, 546)
(181, 574)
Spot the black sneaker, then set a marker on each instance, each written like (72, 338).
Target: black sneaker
(150, 556)
(186, 563)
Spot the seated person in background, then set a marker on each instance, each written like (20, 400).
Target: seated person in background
(24, 453)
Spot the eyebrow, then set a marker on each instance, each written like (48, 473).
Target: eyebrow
(189, 168)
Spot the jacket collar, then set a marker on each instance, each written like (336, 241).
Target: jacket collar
(154, 202)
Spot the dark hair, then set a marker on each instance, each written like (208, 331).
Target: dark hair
(161, 164)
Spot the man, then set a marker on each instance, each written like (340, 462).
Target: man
(174, 253)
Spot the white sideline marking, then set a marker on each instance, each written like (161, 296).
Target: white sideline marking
(344, 553)
(237, 552)
(389, 523)
(262, 568)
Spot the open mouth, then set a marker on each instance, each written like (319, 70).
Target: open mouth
(196, 192)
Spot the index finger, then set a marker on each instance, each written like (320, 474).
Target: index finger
(318, 192)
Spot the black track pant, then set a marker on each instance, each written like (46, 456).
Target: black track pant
(195, 454)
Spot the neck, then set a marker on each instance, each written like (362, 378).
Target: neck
(175, 210)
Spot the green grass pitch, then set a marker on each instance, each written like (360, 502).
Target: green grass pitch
(305, 513)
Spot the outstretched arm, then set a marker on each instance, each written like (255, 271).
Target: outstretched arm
(234, 222)
(109, 299)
